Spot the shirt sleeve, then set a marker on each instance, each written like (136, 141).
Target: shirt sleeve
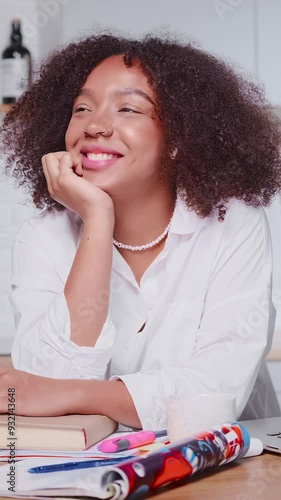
(42, 342)
(235, 330)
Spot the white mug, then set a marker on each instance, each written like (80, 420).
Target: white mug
(186, 417)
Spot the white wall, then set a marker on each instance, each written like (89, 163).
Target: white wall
(227, 32)
(245, 32)
(269, 47)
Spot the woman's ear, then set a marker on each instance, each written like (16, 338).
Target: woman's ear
(173, 154)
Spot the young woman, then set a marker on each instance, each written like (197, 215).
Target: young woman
(148, 273)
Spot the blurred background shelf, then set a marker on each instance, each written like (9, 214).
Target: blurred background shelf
(4, 108)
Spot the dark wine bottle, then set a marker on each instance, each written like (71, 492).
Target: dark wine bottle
(15, 66)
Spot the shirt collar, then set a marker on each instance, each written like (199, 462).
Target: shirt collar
(185, 220)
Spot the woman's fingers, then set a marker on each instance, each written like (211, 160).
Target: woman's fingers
(50, 164)
(63, 171)
(72, 161)
(78, 169)
(46, 173)
(57, 166)
(64, 174)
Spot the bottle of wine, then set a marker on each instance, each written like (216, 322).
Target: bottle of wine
(15, 66)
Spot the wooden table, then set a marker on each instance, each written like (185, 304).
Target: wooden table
(256, 478)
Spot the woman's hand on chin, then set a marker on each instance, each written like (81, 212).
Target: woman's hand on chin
(66, 185)
(35, 395)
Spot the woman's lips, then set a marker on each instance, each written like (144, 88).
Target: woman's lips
(99, 161)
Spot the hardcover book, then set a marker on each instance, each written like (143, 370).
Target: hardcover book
(67, 432)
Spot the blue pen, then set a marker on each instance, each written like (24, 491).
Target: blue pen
(77, 465)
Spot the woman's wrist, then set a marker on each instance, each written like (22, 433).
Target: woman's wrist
(101, 218)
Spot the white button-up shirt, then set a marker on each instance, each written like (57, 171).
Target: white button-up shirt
(200, 321)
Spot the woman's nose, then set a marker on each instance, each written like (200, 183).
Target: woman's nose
(96, 127)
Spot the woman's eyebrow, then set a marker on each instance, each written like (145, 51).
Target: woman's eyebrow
(86, 92)
(133, 91)
(121, 91)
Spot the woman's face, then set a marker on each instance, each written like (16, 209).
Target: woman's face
(115, 129)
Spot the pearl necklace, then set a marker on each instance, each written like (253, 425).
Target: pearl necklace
(139, 248)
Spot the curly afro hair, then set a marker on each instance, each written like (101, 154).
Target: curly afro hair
(227, 137)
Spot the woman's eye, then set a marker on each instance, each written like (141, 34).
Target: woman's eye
(80, 108)
(126, 109)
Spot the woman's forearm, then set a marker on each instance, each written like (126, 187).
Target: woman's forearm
(87, 288)
(104, 397)
(44, 396)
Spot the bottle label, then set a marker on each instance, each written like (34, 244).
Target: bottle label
(15, 77)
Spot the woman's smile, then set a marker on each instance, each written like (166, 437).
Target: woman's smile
(98, 157)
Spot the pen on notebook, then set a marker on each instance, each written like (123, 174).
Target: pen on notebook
(77, 465)
(129, 441)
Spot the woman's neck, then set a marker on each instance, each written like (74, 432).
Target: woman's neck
(141, 220)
